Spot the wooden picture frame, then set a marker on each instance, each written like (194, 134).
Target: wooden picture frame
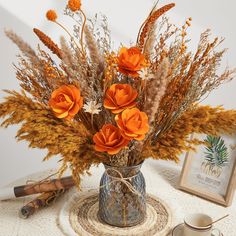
(205, 186)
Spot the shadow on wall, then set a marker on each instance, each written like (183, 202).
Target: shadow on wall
(8, 50)
(16, 160)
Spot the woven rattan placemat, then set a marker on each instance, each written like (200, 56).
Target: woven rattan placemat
(78, 216)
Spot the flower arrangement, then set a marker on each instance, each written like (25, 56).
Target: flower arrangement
(93, 104)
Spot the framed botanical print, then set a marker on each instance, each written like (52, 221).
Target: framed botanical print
(210, 172)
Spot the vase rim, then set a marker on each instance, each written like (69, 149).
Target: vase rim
(124, 167)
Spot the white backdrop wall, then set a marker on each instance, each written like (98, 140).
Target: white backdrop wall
(125, 17)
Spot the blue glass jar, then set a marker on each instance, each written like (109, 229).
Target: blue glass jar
(122, 196)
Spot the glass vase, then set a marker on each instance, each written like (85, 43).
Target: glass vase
(122, 196)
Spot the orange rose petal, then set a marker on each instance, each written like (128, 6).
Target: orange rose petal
(111, 143)
(113, 136)
(112, 88)
(130, 133)
(133, 125)
(135, 60)
(140, 137)
(109, 105)
(59, 105)
(110, 98)
(62, 115)
(119, 120)
(65, 89)
(117, 111)
(62, 105)
(75, 108)
(129, 73)
(132, 112)
(67, 98)
(98, 138)
(143, 130)
(113, 152)
(100, 149)
(122, 51)
(121, 100)
(123, 116)
(59, 111)
(103, 136)
(75, 92)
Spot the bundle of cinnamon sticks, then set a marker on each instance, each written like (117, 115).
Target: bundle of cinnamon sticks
(49, 190)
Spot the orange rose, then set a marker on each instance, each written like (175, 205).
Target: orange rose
(131, 61)
(109, 139)
(119, 97)
(66, 101)
(133, 124)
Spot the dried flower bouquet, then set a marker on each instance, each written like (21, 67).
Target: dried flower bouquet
(92, 104)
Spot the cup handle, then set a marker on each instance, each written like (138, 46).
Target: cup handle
(216, 230)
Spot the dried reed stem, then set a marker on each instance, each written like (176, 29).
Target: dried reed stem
(82, 33)
(22, 45)
(156, 89)
(68, 32)
(93, 49)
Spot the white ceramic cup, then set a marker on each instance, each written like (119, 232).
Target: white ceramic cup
(195, 225)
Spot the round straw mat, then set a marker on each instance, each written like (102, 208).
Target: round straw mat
(78, 216)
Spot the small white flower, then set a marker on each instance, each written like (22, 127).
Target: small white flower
(92, 107)
(144, 74)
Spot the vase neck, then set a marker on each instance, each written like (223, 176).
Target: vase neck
(125, 171)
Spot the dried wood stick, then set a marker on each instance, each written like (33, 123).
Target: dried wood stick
(37, 187)
(44, 200)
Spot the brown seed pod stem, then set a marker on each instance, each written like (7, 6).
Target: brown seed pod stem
(47, 41)
(150, 23)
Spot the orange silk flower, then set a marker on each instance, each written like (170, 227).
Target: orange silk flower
(109, 139)
(119, 97)
(131, 61)
(51, 15)
(74, 5)
(133, 124)
(66, 101)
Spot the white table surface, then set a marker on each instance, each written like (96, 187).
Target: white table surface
(161, 179)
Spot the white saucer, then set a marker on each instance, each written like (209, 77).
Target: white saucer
(179, 230)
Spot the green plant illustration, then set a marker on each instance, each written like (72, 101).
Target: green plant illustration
(216, 156)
